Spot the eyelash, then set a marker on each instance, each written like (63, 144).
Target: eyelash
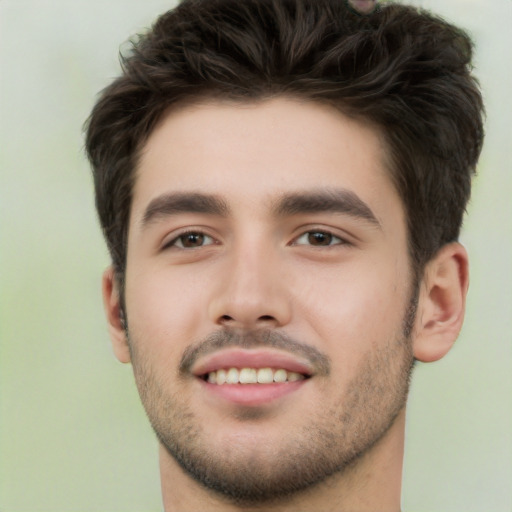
(296, 242)
(323, 233)
(174, 242)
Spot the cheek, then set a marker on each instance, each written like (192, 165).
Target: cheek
(165, 311)
(357, 307)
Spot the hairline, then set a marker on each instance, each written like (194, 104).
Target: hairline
(216, 97)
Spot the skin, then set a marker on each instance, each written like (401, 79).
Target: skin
(363, 6)
(257, 269)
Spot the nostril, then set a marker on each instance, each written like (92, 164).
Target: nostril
(227, 320)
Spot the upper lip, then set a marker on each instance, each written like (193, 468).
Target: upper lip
(250, 358)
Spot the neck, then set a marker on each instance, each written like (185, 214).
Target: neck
(372, 483)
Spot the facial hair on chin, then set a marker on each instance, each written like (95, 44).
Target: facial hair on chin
(328, 442)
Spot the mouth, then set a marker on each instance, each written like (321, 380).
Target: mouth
(251, 377)
(263, 376)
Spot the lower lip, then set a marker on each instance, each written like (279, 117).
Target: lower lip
(253, 395)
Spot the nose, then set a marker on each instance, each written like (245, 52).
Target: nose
(252, 292)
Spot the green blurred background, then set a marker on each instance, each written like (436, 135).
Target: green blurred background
(73, 436)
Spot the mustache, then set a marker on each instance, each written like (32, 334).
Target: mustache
(229, 338)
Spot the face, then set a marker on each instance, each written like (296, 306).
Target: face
(267, 248)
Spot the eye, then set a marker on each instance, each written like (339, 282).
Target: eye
(319, 239)
(190, 240)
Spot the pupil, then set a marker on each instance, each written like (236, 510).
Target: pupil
(319, 238)
(193, 239)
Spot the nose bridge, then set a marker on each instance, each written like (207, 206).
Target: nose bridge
(251, 290)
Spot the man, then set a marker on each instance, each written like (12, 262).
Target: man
(281, 184)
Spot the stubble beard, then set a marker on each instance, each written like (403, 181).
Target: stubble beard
(327, 443)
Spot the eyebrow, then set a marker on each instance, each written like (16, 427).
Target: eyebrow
(319, 201)
(325, 201)
(183, 202)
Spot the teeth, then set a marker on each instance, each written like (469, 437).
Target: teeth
(252, 376)
(232, 376)
(220, 377)
(248, 376)
(292, 376)
(280, 376)
(265, 375)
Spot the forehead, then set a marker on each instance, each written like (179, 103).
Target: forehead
(249, 153)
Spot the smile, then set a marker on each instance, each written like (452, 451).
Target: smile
(252, 376)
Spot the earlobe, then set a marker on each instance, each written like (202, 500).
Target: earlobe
(114, 314)
(442, 303)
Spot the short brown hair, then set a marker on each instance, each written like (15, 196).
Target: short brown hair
(405, 70)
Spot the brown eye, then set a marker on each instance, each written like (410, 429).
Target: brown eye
(319, 239)
(192, 240)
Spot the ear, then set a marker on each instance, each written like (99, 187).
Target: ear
(114, 314)
(442, 303)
